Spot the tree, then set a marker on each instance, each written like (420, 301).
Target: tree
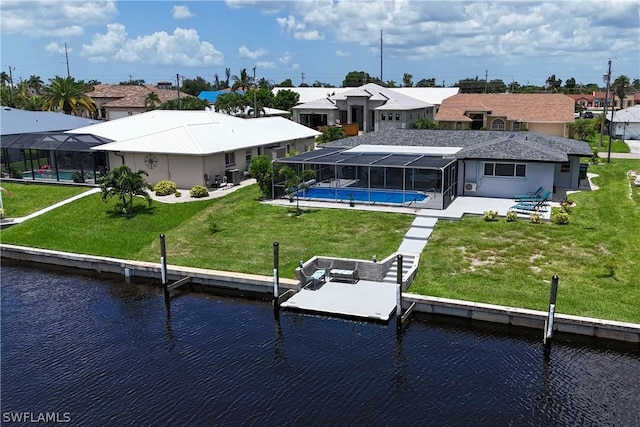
(264, 98)
(286, 83)
(294, 182)
(390, 83)
(243, 82)
(426, 82)
(570, 84)
(262, 170)
(425, 123)
(406, 80)
(195, 86)
(331, 133)
(359, 78)
(64, 93)
(151, 100)
(583, 129)
(122, 182)
(230, 103)
(553, 83)
(137, 82)
(35, 83)
(265, 84)
(620, 88)
(321, 84)
(286, 99)
(186, 103)
(636, 85)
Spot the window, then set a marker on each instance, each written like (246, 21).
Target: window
(505, 169)
(516, 126)
(390, 116)
(458, 125)
(398, 116)
(383, 117)
(247, 155)
(565, 167)
(229, 159)
(497, 124)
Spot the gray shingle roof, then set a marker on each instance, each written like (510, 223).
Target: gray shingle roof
(523, 146)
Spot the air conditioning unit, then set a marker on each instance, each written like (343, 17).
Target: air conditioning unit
(470, 186)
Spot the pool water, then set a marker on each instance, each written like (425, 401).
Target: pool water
(364, 195)
(64, 175)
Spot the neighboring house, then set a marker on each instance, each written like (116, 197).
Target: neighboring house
(585, 100)
(197, 147)
(33, 139)
(549, 114)
(626, 123)
(371, 107)
(446, 164)
(117, 101)
(211, 95)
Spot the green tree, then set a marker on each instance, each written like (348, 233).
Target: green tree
(186, 103)
(195, 86)
(426, 82)
(359, 78)
(621, 87)
(321, 84)
(331, 133)
(553, 83)
(286, 99)
(230, 103)
(406, 80)
(425, 123)
(262, 170)
(151, 100)
(123, 183)
(35, 83)
(583, 129)
(296, 181)
(391, 84)
(137, 82)
(286, 83)
(636, 85)
(242, 82)
(64, 93)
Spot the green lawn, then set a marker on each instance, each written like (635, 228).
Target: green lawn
(26, 199)
(596, 256)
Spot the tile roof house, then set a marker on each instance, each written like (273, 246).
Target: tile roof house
(117, 101)
(371, 107)
(549, 114)
(453, 163)
(196, 147)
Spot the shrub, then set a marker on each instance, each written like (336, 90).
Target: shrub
(165, 187)
(561, 217)
(535, 218)
(198, 191)
(178, 194)
(566, 207)
(213, 225)
(1, 213)
(490, 215)
(511, 216)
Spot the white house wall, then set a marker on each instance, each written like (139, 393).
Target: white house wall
(472, 171)
(628, 131)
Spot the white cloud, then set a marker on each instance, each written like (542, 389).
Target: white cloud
(53, 19)
(341, 52)
(287, 61)
(298, 29)
(54, 47)
(182, 12)
(265, 64)
(244, 52)
(183, 47)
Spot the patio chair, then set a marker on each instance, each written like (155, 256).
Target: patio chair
(544, 197)
(534, 194)
(530, 206)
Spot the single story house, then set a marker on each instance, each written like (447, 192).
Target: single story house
(626, 123)
(371, 107)
(197, 147)
(444, 164)
(545, 113)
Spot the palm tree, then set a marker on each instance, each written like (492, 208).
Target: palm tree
(64, 93)
(620, 88)
(331, 133)
(151, 100)
(124, 183)
(230, 103)
(295, 181)
(35, 83)
(243, 82)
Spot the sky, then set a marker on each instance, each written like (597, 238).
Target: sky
(311, 41)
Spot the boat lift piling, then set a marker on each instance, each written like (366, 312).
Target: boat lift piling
(548, 324)
(276, 266)
(401, 318)
(166, 288)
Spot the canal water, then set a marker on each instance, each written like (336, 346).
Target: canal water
(102, 352)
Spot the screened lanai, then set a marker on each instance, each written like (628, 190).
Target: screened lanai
(53, 156)
(408, 176)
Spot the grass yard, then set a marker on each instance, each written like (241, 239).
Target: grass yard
(596, 256)
(29, 198)
(243, 242)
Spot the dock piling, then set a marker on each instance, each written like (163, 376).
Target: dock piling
(399, 294)
(548, 324)
(163, 267)
(276, 292)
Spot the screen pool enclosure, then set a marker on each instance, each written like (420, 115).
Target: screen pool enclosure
(407, 176)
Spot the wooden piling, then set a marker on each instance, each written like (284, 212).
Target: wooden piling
(276, 292)
(548, 324)
(399, 293)
(163, 266)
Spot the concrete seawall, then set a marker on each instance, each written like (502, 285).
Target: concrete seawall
(256, 284)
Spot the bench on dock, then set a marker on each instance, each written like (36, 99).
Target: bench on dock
(342, 274)
(318, 277)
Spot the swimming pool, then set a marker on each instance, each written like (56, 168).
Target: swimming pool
(51, 174)
(396, 197)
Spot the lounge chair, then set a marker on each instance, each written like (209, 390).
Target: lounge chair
(534, 194)
(530, 206)
(538, 198)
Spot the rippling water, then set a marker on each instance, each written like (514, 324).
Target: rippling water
(107, 353)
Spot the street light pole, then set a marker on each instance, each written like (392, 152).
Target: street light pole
(255, 104)
(607, 79)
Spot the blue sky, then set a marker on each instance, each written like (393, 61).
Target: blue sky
(321, 40)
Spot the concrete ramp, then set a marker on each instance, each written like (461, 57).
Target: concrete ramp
(363, 299)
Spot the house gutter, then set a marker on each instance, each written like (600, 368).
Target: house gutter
(119, 155)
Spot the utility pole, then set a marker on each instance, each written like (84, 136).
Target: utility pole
(11, 85)
(486, 77)
(255, 103)
(178, 87)
(301, 77)
(66, 54)
(607, 79)
(381, 79)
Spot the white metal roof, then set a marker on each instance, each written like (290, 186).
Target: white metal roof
(628, 115)
(404, 149)
(193, 132)
(430, 95)
(15, 121)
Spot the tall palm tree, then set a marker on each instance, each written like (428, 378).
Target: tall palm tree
(243, 82)
(35, 83)
(64, 93)
(620, 88)
(151, 100)
(122, 182)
